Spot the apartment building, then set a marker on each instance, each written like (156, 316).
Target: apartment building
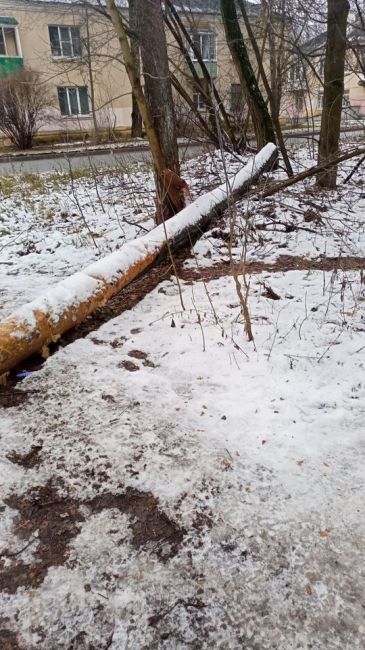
(77, 56)
(76, 53)
(306, 78)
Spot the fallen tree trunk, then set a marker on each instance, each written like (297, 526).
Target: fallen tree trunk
(312, 171)
(32, 327)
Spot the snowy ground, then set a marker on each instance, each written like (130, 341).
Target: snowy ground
(167, 484)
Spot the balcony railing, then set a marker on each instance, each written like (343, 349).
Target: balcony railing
(211, 67)
(10, 64)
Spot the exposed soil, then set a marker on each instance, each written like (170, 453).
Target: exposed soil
(10, 396)
(149, 523)
(57, 521)
(29, 460)
(138, 354)
(129, 365)
(283, 264)
(8, 639)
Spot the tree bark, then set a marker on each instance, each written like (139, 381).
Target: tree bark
(137, 125)
(334, 69)
(157, 83)
(262, 123)
(205, 85)
(95, 135)
(270, 94)
(153, 122)
(158, 92)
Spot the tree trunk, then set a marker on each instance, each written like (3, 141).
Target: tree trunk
(205, 85)
(166, 195)
(334, 69)
(262, 123)
(136, 130)
(270, 94)
(95, 134)
(158, 92)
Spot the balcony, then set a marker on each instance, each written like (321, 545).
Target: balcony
(11, 59)
(211, 67)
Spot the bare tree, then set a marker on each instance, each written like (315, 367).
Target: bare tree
(23, 107)
(262, 123)
(156, 109)
(272, 97)
(334, 68)
(134, 26)
(157, 83)
(219, 122)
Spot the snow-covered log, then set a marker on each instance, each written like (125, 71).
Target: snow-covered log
(32, 327)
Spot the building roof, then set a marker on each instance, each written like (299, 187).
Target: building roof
(315, 46)
(196, 6)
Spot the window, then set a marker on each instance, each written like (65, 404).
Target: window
(199, 101)
(321, 68)
(65, 41)
(236, 99)
(205, 42)
(299, 102)
(295, 73)
(73, 100)
(320, 100)
(8, 42)
(346, 99)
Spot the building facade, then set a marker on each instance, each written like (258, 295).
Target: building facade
(76, 55)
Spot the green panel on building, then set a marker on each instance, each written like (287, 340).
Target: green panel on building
(10, 64)
(8, 20)
(211, 67)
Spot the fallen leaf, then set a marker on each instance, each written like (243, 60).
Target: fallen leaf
(325, 532)
(309, 590)
(300, 462)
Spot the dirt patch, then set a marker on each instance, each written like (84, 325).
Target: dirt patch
(283, 264)
(149, 524)
(57, 522)
(29, 460)
(137, 354)
(9, 639)
(10, 397)
(50, 522)
(128, 365)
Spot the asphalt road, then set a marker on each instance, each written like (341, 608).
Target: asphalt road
(61, 161)
(41, 162)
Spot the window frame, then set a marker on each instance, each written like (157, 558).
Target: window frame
(299, 102)
(61, 41)
(67, 90)
(237, 103)
(295, 73)
(16, 39)
(199, 102)
(200, 34)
